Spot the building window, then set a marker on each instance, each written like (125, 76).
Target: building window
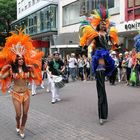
(137, 2)
(130, 3)
(29, 4)
(132, 10)
(111, 4)
(87, 6)
(40, 21)
(18, 10)
(137, 13)
(25, 7)
(71, 13)
(33, 2)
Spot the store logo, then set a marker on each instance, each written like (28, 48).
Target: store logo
(131, 26)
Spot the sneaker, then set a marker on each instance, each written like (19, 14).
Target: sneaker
(53, 101)
(58, 99)
(33, 94)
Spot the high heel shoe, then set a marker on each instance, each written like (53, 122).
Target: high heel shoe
(22, 135)
(101, 121)
(17, 130)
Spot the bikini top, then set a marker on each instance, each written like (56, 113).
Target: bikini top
(21, 75)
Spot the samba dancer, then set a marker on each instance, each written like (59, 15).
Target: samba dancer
(97, 33)
(20, 63)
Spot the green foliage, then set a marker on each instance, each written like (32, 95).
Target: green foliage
(7, 14)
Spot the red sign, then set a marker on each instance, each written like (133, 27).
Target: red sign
(40, 44)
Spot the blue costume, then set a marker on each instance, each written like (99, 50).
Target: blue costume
(99, 34)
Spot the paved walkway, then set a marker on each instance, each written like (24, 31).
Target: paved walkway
(75, 117)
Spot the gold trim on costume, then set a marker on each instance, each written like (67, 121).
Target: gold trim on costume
(21, 97)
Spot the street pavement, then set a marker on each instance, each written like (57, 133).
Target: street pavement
(76, 116)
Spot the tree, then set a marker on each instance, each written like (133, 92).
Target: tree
(7, 15)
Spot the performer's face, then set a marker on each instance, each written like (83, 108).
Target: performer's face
(20, 61)
(103, 25)
(101, 61)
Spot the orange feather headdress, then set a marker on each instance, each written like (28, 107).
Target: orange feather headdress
(20, 44)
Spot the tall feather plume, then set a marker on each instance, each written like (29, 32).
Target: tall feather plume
(103, 12)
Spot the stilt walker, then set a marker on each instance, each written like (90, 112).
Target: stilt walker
(98, 33)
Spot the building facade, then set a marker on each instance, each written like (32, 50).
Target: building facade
(130, 22)
(72, 12)
(39, 18)
(54, 24)
(125, 14)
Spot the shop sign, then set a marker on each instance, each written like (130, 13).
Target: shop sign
(132, 26)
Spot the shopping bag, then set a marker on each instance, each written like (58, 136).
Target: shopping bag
(133, 77)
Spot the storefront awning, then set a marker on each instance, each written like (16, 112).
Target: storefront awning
(66, 38)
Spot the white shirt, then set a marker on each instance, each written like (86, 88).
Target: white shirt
(116, 61)
(130, 63)
(87, 64)
(72, 61)
(80, 63)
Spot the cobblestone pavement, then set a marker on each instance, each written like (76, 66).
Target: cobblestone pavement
(76, 117)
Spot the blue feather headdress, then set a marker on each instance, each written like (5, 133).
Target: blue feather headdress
(137, 42)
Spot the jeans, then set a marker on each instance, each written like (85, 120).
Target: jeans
(73, 73)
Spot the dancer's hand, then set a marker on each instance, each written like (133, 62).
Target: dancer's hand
(31, 67)
(5, 67)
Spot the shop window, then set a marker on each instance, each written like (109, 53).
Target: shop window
(137, 2)
(130, 3)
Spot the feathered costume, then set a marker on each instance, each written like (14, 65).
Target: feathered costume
(137, 42)
(20, 44)
(137, 48)
(90, 36)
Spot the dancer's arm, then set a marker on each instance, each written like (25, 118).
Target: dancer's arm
(5, 71)
(4, 75)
